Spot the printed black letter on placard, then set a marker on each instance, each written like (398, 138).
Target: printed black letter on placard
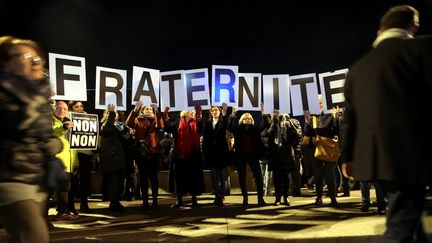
(61, 76)
(329, 91)
(190, 89)
(252, 97)
(104, 89)
(302, 82)
(171, 78)
(276, 93)
(140, 90)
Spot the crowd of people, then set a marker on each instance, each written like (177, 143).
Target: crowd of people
(134, 147)
(131, 146)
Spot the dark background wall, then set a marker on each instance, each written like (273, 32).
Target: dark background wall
(270, 37)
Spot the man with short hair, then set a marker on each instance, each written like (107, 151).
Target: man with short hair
(386, 92)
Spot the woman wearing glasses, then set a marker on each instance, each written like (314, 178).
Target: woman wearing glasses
(27, 141)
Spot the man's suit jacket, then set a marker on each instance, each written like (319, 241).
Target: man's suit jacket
(388, 93)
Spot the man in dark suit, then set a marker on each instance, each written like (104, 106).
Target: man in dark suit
(387, 92)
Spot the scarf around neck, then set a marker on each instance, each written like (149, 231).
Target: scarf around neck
(392, 33)
(187, 140)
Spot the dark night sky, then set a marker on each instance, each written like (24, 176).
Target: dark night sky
(259, 36)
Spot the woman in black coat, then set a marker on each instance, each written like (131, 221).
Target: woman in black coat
(215, 150)
(112, 158)
(248, 148)
(282, 137)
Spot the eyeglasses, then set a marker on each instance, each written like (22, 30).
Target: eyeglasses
(247, 118)
(36, 60)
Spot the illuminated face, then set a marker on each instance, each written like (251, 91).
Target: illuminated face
(78, 107)
(148, 111)
(247, 120)
(61, 110)
(215, 112)
(25, 61)
(320, 102)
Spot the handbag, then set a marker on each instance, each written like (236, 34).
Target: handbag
(327, 149)
(56, 174)
(305, 140)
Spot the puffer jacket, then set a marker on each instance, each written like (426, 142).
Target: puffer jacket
(26, 137)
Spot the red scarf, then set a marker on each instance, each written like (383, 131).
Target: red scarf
(187, 140)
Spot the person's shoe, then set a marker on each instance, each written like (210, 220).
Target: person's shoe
(245, 202)
(85, 208)
(145, 206)
(73, 211)
(221, 202)
(382, 208)
(155, 204)
(277, 202)
(365, 206)
(261, 202)
(178, 204)
(116, 207)
(66, 216)
(311, 186)
(216, 201)
(194, 201)
(286, 201)
(318, 202)
(334, 203)
(128, 197)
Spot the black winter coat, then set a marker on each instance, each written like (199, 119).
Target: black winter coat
(215, 145)
(111, 154)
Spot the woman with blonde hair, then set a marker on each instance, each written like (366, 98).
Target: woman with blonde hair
(187, 164)
(248, 147)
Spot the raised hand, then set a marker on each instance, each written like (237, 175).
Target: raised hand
(165, 114)
(111, 107)
(307, 116)
(68, 124)
(335, 111)
(155, 108)
(138, 105)
(234, 110)
(224, 109)
(198, 111)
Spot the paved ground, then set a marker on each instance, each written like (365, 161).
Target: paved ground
(302, 222)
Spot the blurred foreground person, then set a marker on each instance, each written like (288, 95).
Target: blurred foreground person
(397, 78)
(26, 140)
